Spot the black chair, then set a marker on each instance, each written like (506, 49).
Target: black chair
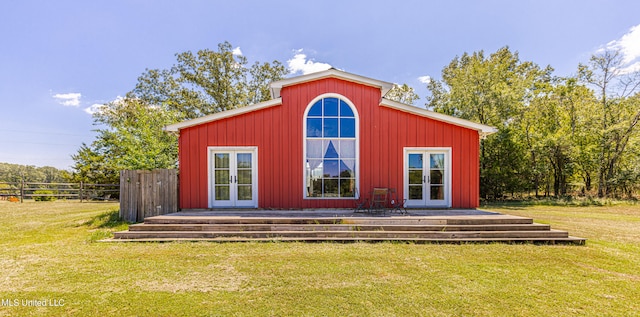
(397, 203)
(362, 203)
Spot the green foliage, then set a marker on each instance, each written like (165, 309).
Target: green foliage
(133, 139)
(555, 134)
(489, 90)
(403, 94)
(207, 82)
(14, 173)
(91, 166)
(616, 117)
(131, 134)
(46, 195)
(503, 168)
(494, 90)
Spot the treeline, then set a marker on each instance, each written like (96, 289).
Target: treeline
(557, 136)
(14, 173)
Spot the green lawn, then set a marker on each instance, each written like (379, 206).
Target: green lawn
(50, 253)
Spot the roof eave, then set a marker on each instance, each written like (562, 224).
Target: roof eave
(483, 130)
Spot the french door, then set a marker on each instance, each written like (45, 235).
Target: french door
(427, 177)
(233, 177)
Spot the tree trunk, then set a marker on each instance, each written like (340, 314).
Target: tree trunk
(587, 181)
(602, 187)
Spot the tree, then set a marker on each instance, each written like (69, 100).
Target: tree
(492, 90)
(208, 82)
(553, 127)
(132, 138)
(579, 105)
(91, 165)
(15, 173)
(489, 90)
(619, 110)
(403, 94)
(130, 134)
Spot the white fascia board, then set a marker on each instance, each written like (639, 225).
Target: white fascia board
(276, 86)
(222, 115)
(483, 129)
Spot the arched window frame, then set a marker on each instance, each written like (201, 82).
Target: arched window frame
(306, 178)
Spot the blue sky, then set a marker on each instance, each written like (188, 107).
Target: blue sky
(58, 58)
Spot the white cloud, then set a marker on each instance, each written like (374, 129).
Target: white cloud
(237, 51)
(424, 79)
(98, 107)
(629, 47)
(94, 108)
(635, 67)
(68, 99)
(300, 64)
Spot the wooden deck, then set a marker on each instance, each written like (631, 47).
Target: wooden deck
(446, 226)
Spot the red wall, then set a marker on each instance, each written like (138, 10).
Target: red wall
(277, 132)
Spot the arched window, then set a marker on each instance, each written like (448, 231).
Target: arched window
(331, 148)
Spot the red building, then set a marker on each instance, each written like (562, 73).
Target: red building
(322, 141)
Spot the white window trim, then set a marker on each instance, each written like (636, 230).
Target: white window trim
(448, 172)
(304, 146)
(210, 150)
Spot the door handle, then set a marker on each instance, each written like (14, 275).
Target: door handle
(424, 179)
(235, 179)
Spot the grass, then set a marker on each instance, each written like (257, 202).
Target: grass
(49, 252)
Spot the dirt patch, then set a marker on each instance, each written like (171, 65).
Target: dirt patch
(214, 278)
(12, 279)
(623, 276)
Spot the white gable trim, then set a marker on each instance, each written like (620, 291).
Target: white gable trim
(223, 114)
(484, 130)
(277, 86)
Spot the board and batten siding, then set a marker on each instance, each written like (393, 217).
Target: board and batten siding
(277, 132)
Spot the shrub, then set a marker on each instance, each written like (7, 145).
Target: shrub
(43, 198)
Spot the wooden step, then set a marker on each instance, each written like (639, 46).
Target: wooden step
(568, 240)
(334, 227)
(396, 220)
(299, 226)
(237, 220)
(343, 234)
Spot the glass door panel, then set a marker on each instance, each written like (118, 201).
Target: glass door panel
(416, 176)
(222, 178)
(436, 176)
(244, 176)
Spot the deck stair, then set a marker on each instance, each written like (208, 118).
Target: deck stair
(450, 229)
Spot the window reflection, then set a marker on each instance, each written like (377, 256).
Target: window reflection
(330, 107)
(314, 128)
(330, 150)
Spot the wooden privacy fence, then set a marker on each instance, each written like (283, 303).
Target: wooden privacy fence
(148, 193)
